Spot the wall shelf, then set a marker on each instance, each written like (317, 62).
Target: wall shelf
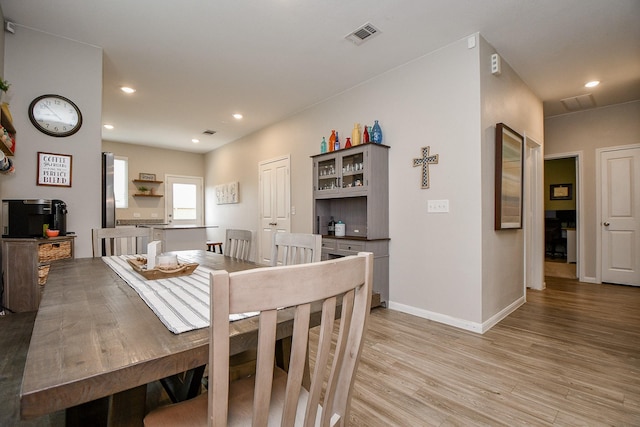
(147, 181)
(8, 147)
(147, 195)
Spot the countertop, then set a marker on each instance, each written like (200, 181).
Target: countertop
(176, 227)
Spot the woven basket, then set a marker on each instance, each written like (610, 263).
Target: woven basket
(54, 251)
(43, 273)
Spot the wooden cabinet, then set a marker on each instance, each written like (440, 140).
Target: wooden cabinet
(352, 185)
(25, 267)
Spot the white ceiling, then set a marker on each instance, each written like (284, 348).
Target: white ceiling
(196, 62)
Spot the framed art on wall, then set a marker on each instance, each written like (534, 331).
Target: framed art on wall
(142, 176)
(54, 169)
(561, 191)
(509, 173)
(227, 193)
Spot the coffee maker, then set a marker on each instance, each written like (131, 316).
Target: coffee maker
(27, 217)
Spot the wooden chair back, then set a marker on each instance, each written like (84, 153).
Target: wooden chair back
(237, 244)
(295, 248)
(119, 241)
(344, 284)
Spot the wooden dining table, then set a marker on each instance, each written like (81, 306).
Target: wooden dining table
(96, 344)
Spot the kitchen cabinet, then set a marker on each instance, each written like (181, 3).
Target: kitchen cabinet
(180, 237)
(25, 267)
(352, 185)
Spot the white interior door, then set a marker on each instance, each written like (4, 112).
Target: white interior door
(275, 189)
(183, 195)
(620, 214)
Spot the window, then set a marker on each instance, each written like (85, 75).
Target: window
(120, 181)
(184, 201)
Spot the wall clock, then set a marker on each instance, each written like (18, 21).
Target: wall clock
(55, 115)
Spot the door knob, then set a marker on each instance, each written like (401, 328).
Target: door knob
(273, 223)
(606, 223)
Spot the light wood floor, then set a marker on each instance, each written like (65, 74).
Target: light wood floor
(569, 357)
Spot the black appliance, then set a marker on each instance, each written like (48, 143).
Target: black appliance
(27, 217)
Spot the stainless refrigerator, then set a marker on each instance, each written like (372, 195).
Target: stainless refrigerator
(108, 197)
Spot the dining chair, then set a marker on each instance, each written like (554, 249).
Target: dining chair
(119, 241)
(272, 396)
(237, 244)
(295, 248)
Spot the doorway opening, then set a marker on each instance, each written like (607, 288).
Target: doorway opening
(561, 216)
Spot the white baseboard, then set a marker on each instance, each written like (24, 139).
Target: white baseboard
(496, 318)
(437, 317)
(467, 325)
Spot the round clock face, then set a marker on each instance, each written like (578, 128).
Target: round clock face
(55, 115)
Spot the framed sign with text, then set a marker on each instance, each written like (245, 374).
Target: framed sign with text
(54, 169)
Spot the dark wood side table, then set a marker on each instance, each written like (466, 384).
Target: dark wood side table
(25, 267)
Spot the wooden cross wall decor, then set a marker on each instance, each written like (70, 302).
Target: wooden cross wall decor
(425, 161)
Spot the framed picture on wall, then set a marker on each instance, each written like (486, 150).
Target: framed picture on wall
(509, 173)
(561, 191)
(54, 169)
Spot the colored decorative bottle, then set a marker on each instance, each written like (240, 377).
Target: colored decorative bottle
(331, 228)
(355, 134)
(323, 146)
(337, 144)
(332, 141)
(365, 135)
(377, 133)
(348, 143)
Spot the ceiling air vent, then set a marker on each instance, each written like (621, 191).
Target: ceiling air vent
(362, 34)
(209, 132)
(577, 103)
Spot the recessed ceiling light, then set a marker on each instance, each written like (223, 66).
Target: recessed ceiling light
(237, 116)
(108, 127)
(195, 141)
(592, 84)
(127, 89)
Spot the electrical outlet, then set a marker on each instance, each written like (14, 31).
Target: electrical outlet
(437, 206)
(136, 214)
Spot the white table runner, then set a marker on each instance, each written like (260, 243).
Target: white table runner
(181, 303)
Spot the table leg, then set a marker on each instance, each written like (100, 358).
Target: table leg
(184, 386)
(124, 409)
(283, 354)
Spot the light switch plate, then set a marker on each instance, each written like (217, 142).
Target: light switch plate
(437, 206)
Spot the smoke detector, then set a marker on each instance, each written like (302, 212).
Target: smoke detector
(362, 34)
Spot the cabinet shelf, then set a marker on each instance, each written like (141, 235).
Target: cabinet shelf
(8, 147)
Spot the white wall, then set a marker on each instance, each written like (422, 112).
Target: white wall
(436, 264)
(507, 99)
(587, 131)
(37, 63)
